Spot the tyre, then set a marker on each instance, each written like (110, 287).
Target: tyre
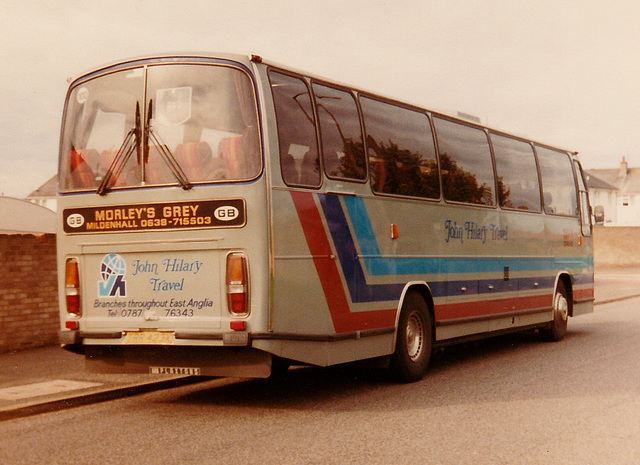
(413, 342)
(557, 328)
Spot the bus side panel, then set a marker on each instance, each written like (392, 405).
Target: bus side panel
(299, 301)
(321, 306)
(488, 270)
(471, 258)
(573, 253)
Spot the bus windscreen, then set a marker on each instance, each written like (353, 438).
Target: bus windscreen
(157, 125)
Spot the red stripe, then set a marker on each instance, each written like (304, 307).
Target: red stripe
(583, 293)
(491, 307)
(327, 268)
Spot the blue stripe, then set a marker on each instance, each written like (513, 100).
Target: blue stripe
(379, 266)
(359, 290)
(362, 226)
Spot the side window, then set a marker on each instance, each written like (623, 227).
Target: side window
(402, 156)
(296, 130)
(340, 133)
(558, 184)
(585, 207)
(465, 163)
(517, 174)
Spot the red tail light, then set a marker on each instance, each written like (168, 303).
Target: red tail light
(72, 287)
(237, 284)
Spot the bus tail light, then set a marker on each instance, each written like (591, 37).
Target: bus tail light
(237, 285)
(72, 287)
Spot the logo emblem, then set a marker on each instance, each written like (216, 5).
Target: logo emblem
(112, 271)
(75, 220)
(226, 213)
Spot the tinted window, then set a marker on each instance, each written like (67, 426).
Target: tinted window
(296, 130)
(558, 185)
(402, 157)
(341, 135)
(518, 185)
(465, 162)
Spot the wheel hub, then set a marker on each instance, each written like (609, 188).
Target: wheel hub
(415, 336)
(562, 307)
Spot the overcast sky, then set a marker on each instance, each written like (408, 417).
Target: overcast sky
(564, 72)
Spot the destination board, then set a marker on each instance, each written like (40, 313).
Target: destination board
(155, 216)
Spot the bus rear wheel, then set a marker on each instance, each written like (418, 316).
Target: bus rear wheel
(557, 328)
(413, 342)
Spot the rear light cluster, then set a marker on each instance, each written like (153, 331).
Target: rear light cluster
(72, 292)
(237, 284)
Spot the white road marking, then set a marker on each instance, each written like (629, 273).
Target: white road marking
(43, 389)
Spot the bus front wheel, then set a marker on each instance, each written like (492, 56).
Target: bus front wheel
(557, 328)
(413, 342)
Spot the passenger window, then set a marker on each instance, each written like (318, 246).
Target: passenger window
(465, 163)
(296, 130)
(585, 206)
(518, 184)
(402, 156)
(558, 188)
(340, 133)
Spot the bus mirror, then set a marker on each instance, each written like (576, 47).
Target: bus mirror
(598, 214)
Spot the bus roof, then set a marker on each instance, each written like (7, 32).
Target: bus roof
(258, 59)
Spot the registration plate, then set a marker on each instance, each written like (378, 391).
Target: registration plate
(149, 337)
(187, 371)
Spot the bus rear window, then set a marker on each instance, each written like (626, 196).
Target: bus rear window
(163, 124)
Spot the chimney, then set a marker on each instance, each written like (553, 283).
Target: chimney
(624, 168)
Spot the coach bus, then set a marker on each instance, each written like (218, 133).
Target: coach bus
(226, 216)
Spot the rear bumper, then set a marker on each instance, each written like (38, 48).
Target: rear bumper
(240, 362)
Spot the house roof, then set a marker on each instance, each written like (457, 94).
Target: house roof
(624, 179)
(48, 189)
(24, 217)
(594, 182)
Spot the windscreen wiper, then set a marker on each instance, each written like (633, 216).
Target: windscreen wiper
(130, 144)
(167, 156)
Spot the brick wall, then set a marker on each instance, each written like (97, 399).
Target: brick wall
(28, 291)
(616, 247)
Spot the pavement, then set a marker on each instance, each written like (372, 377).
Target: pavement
(47, 379)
